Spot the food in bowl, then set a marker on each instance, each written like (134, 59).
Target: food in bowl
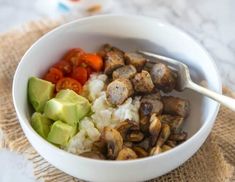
(112, 105)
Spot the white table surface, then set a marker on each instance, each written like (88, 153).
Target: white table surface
(211, 22)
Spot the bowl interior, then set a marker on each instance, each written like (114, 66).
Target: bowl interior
(131, 34)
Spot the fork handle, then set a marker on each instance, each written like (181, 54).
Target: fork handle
(226, 101)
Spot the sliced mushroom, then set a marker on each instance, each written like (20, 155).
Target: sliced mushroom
(145, 144)
(171, 143)
(140, 152)
(154, 128)
(154, 100)
(113, 141)
(93, 155)
(165, 148)
(179, 137)
(145, 109)
(99, 146)
(135, 136)
(144, 124)
(126, 154)
(175, 122)
(155, 150)
(126, 127)
(164, 135)
(128, 144)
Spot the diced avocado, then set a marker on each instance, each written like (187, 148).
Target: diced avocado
(71, 96)
(57, 109)
(39, 92)
(67, 106)
(60, 133)
(41, 124)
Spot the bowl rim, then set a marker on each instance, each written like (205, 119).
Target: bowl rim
(210, 118)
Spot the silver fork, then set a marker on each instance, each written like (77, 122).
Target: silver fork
(185, 81)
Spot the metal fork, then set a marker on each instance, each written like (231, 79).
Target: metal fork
(185, 81)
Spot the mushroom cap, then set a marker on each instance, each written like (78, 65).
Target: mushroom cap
(93, 155)
(113, 141)
(126, 154)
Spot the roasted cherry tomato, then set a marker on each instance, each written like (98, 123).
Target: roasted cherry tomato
(69, 83)
(53, 75)
(73, 56)
(64, 66)
(80, 74)
(89, 71)
(93, 60)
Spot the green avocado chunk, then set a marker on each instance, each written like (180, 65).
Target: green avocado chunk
(68, 107)
(39, 92)
(41, 124)
(60, 133)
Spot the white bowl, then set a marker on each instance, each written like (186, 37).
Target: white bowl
(128, 33)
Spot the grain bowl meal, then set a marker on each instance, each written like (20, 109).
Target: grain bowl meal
(111, 105)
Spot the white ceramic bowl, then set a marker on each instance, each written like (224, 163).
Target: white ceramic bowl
(128, 33)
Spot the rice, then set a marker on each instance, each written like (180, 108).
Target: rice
(103, 115)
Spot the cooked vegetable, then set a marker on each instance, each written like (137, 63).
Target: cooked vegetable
(126, 127)
(53, 75)
(154, 100)
(113, 141)
(126, 154)
(178, 137)
(140, 152)
(93, 155)
(93, 60)
(144, 124)
(154, 128)
(69, 83)
(166, 148)
(155, 150)
(73, 56)
(175, 122)
(164, 135)
(80, 74)
(64, 66)
(135, 136)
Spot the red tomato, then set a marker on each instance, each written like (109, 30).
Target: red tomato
(89, 71)
(80, 74)
(69, 83)
(93, 60)
(64, 66)
(53, 75)
(73, 56)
